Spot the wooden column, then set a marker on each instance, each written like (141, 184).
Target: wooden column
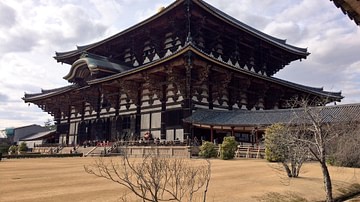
(68, 122)
(98, 104)
(138, 112)
(163, 113)
(230, 99)
(117, 107)
(57, 118)
(212, 134)
(82, 111)
(210, 92)
(210, 98)
(187, 103)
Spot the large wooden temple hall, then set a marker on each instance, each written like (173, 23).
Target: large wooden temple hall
(188, 60)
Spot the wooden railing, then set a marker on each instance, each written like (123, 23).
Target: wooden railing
(250, 152)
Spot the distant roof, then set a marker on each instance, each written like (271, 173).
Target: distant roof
(234, 118)
(350, 8)
(38, 136)
(32, 125)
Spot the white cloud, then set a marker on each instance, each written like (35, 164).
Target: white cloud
(7, 14)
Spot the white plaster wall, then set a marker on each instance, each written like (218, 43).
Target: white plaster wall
(179, 133)
(156, 120)
(145, 121)
(72, 128)
(170, 134)
(155, 133)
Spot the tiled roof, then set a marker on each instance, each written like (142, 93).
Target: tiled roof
(28, 97)
(350, 8)
(94, 64)
(38, 136)
(279, 42)
(308, 89)
(334, 113)
(272, 40)
(189, 46)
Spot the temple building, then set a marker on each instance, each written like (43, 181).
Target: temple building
(351, 8)
(188, 58)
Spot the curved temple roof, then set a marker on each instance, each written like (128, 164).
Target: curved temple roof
(62, 56)
(279, 42)
(94, 64)
(191, 47)
(350, 8)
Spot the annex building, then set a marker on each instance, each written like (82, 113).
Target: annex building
(165, 74)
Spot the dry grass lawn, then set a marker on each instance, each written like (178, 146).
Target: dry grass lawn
(64, 179)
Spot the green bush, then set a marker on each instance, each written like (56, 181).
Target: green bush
(208, 150)
(13, 149)
(274, 144)
(23, 147)
(4, 146)
(228, 148)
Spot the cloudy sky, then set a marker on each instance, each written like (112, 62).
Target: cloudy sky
(32, 30)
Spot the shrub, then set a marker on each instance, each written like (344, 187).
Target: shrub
(208, 150)
(274, 144)
(228, 148)
(4, 148)
(23, 147)
(12, 149)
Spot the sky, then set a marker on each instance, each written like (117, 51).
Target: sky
(32, 30)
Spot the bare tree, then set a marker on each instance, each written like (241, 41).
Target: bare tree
(344, 151)
(155, 178)
(317, 127)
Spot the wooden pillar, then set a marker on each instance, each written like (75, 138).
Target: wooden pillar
(211, 134)
(163, 114)
(231, 96)
(210, 98)
(82, 111)
(98, 104)
(117, 107)
(116, 118)
(138, 112)
(232, 131)
(210, 92)
(68, 122)
(187, 106)
(256, 137)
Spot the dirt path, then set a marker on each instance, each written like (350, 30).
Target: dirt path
(64, 179)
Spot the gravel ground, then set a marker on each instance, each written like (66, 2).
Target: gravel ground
(64, 179)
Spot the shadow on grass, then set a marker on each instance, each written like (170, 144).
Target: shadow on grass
(346, 193)
(349, 192)
(278, 197)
